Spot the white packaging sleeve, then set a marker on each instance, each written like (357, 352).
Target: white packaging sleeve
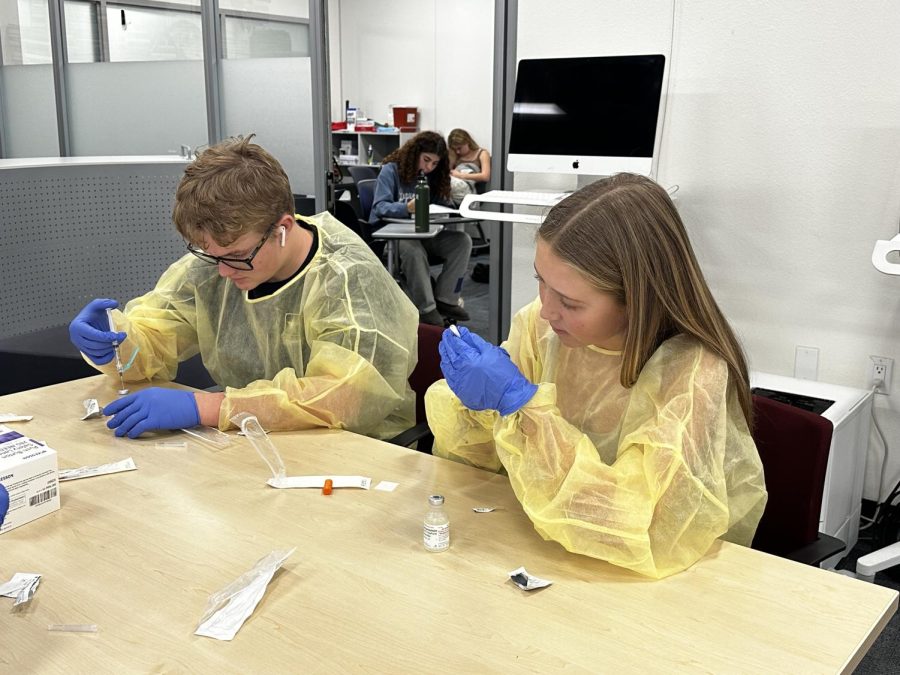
(88, 471)
(363, 482)
(227, 609)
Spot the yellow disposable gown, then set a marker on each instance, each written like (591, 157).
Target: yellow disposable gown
(645, 478)
(333, 347)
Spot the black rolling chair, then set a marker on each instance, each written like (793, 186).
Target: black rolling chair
(480, 243)
(305, 205)
(363, 172)
(344, 212)
(366, 190)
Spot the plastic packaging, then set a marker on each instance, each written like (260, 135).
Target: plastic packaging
(210, 436)
(423, 198)
(254, 432)
(72, 627)
(436, 533)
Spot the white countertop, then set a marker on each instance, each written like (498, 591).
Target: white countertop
(43, 162)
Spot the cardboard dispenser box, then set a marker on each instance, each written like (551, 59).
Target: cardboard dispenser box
(30, 473)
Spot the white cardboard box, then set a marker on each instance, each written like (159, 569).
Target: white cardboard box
(30, 473)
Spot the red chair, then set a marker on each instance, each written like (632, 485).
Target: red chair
(426, 372)
(793, 445)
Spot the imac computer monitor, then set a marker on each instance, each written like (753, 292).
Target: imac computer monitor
(592, 115)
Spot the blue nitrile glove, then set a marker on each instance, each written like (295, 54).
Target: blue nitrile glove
(89, 331)
(4, 503)
(482, 375)
(151, 409)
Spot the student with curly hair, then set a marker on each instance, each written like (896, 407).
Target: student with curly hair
(394, 197)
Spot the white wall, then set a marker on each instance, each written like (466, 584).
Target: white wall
(580, 28)
(433, 54)
(783, 131)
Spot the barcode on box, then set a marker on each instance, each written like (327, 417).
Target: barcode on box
(42, 497)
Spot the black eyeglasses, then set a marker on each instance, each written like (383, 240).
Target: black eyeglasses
(235, 263)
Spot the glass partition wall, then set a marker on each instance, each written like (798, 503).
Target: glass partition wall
(27, 104)
(133, 78)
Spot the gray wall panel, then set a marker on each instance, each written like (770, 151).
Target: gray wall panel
(73, 233)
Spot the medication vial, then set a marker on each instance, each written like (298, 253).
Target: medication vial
(437, 525)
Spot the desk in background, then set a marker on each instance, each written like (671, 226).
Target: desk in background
(138, 553)
(404, 228)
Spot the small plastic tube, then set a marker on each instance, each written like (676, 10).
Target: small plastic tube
(326, 489)
(73, 627)
(171, 445)
(454, 330)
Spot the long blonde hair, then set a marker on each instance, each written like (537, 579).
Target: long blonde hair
(456, 138)
(625, 236)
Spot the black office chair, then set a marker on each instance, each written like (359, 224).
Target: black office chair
(305, 205)
(426, 373)
(344, 212)
(366, 190)
(480, 243)
(793, 445)
(362, 172)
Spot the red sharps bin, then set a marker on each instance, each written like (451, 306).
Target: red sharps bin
(406, 118)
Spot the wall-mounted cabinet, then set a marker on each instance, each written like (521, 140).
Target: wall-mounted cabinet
(352, 147)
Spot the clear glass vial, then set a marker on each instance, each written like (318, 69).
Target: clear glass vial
(437, 525)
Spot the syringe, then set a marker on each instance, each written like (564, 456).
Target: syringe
(119, 367)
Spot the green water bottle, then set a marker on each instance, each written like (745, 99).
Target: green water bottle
(423, 198)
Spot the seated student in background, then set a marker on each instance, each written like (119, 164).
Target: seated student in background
(621, 410)
(469, 164)
(394, 197)
(295, 317)
(468, 161)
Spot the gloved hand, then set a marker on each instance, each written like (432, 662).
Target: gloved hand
(89, 331)
(4, 503)
(151, 409)
(482, 375)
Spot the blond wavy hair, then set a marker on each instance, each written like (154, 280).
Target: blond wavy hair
(625, 236)
(232, 188)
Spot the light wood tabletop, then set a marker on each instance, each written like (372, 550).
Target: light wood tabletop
(138, 553)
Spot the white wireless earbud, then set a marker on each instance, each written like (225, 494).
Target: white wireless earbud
(283, 230)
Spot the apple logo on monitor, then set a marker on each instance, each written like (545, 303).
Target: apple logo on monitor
(575, 164)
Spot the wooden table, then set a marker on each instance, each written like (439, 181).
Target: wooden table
(138, 553)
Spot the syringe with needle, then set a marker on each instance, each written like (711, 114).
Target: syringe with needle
(119, 367)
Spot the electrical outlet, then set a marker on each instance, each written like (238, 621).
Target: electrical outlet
(881, 368)
(806, 363)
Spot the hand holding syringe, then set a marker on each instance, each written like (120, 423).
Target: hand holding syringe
(120, 368)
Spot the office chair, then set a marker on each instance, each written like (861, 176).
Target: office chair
(358, 221)
(426, 373)
(362, 172)
(793, 445)
(305, 205)
(344, 212)
(366, 190)
(480, 243)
